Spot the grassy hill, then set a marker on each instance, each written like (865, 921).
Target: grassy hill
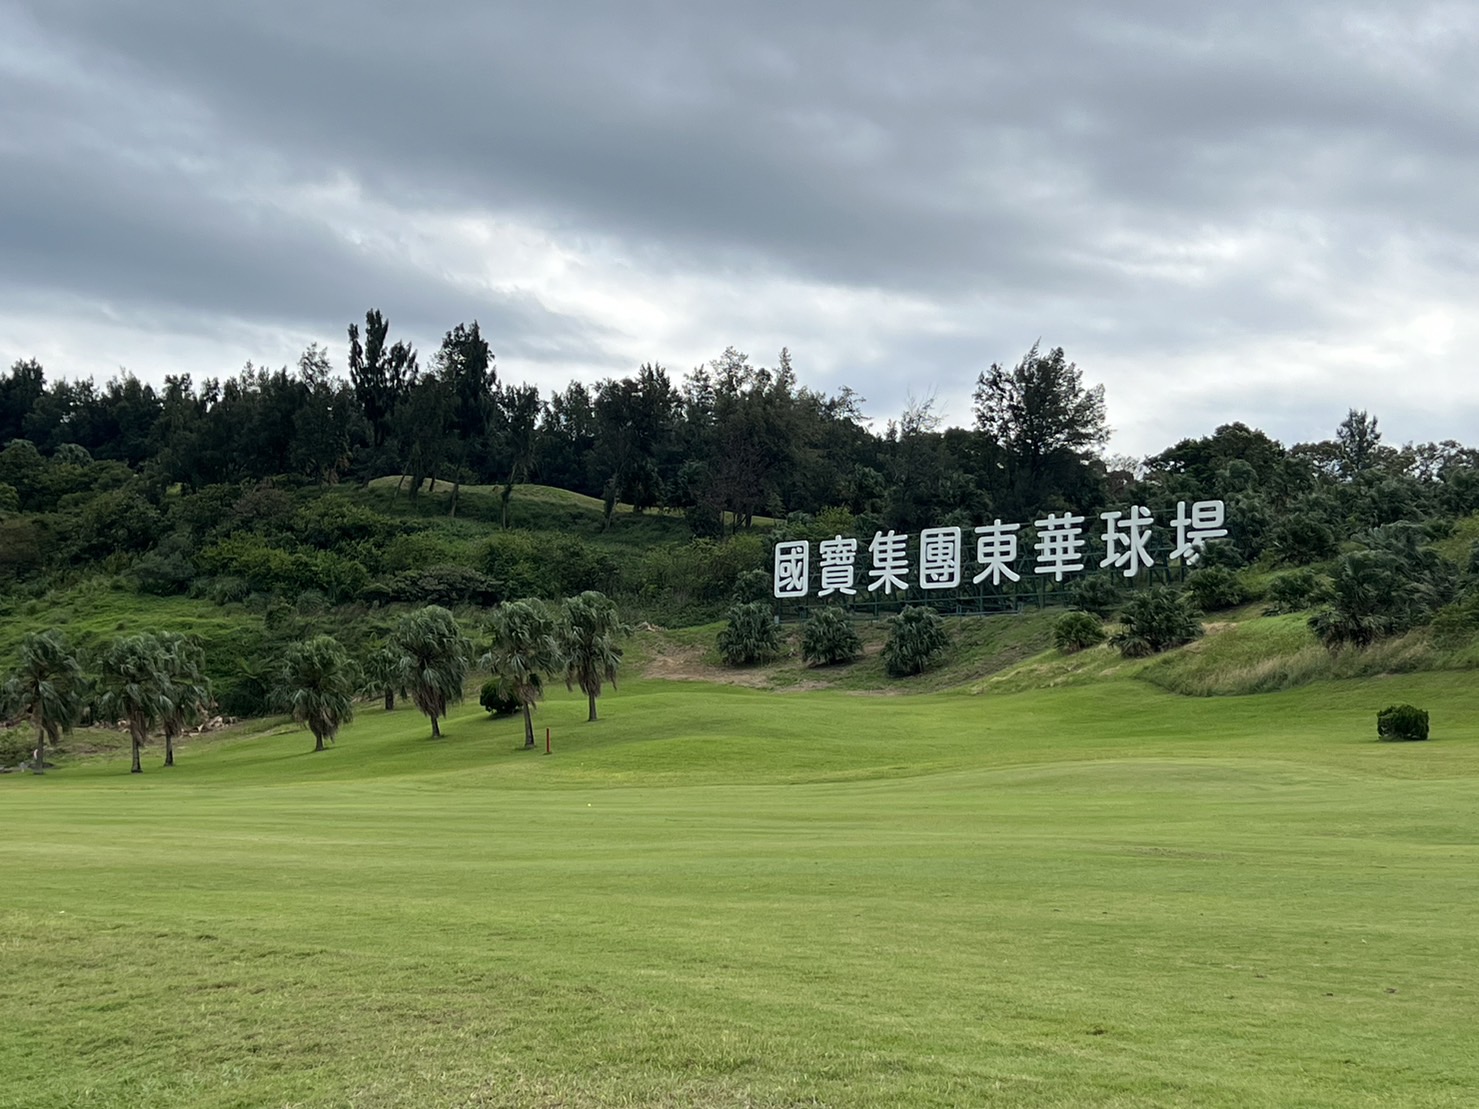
(1099, 893)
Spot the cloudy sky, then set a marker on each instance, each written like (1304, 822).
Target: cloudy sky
(1261, 211)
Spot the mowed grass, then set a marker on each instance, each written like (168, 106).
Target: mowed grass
(1098, 895)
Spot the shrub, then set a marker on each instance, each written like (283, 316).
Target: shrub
(1216, 587)
(1295, 591)
(497, 700)
(1100, 594)
(916, 637)
(751, 636)
(1402, 722)
(1076, 631)
(1370, 598)
(18, 745)
(830, 637)
(1222, 555)
(1157, 620)
(751, 586)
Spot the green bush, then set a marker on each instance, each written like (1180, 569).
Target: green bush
(751, 636)
(18, 745)
(1100, 594)
(497, 701)
(1157, 620)
(1216, 587)
(830, 637)
(1077, 631)
(1402, 722)
(1295, 591)
(916, 638)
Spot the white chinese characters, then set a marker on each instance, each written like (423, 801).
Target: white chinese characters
(1061, 548)
(792, 568)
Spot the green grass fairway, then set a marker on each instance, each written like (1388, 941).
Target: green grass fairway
(1102, 894)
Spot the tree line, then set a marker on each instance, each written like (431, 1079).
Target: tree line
(156, 682)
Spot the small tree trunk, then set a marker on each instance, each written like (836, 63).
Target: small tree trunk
(528, 727)
(592, 716)
(436, 733)
(389, 700)
(39, 766)
(318, 741)
(138, 742)
(169, 749)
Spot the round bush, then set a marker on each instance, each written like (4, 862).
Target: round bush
(916, 637)
(830, 637)
(1216, 587)
(1402, 722)
(1077, 631)
(496, 701)
(1157, 620)
(1099, 594)
(751, 635)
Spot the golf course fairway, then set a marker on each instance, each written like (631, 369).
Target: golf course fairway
(1095, 896)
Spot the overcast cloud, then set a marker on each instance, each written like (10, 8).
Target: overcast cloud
(1264, 213)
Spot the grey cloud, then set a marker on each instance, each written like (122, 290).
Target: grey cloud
(1004, 154)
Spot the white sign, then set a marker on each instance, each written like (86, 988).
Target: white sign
(1059, 548)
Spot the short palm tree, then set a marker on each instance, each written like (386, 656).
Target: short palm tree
(384, 675)
(524, 651)
(133, 674)
(437, 658)
(317, 684)
(189, 688)
(46, 687)
(588, 631)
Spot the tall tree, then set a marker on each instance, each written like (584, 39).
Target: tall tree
(1359, 443)
(437, 657)
(516, 411)
(381, 376)
(465, 365)
(134, 678)
(384, 674)
(317, 683)
(588, 631)
(1047, 423)
(189, 688)
(524, 651)
(46, 687)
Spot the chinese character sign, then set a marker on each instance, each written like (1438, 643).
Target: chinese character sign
(792, 568)
(1057, 552)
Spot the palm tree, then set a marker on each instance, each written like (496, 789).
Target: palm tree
(317, 683)
(524, 650)
(189, 688)
(384, 675)
(436, 654)
(589, 628)
(47, 686)
(134, 673)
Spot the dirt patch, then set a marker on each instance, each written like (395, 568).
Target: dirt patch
(686, 664)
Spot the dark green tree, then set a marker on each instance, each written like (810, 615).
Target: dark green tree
(317, 683)
(437, 657)
(384, 675)
(189, 690)
(46, 687)
(381, 376)
(588, 632)
(1047, 424)
(134, 681)
(524, 650)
